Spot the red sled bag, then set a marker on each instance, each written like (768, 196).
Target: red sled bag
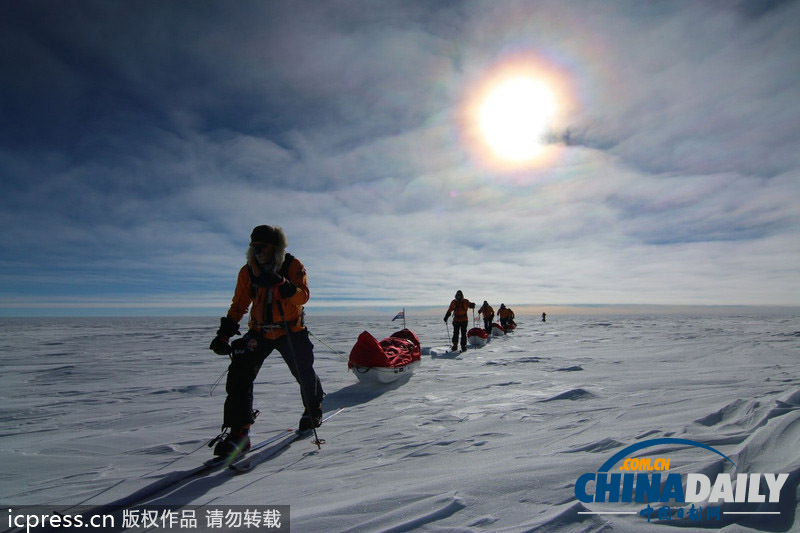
(399, 349)
(478, 332)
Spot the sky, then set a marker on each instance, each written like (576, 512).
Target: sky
(141, 142)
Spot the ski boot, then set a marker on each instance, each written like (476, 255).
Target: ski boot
(235, 443)
(311, 420)
(454, 348)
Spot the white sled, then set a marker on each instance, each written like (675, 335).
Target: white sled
(477, 337)
(384, 374)
(480, 342)
(497, 331)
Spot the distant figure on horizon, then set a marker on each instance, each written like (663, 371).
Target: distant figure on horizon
(544, 317)
(488, 316)
(275, 283)
(459, 308)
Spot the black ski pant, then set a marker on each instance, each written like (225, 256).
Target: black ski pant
(462, 327)
(249, 353)
(487, 324)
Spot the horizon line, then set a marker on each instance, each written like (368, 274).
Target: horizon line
(145, 310)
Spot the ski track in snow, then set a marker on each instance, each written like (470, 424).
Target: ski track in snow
(493, 439)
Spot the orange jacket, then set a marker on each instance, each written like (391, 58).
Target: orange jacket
(505, 313)
(460, 309)
(265, 314)
(487, 311)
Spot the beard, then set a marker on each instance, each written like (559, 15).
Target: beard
(267, 262)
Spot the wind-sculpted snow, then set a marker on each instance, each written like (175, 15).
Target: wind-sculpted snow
(97, 411)
(576, 368)
(572, 394)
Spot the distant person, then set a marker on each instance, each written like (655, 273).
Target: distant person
(458, 307)
(544, 317)
(275, 283)
(505, 315)
(488, 316)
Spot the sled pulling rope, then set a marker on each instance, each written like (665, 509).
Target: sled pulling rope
(331, 348)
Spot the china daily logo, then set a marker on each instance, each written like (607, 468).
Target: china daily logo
(647, 480)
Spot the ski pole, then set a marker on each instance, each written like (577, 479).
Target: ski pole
(303, 397)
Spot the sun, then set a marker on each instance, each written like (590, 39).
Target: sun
(514, 117)
(512, 113)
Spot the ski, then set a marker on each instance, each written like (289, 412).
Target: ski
(176, 478)
(247, 464)
(279, 440)
(215, 462)
(277, 444)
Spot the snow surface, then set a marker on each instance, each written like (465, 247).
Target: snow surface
(491, 440)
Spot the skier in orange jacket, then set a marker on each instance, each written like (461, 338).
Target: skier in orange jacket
(459, 308)
(488, 316)
(274, 286)
(505, 315)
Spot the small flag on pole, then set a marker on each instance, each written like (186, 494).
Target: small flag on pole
(401, 314)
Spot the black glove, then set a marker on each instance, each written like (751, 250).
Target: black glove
(220, 346)
(228, 327)
(446, 317)
(286, 289)
(268, 278)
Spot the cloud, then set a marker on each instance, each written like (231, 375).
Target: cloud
(700, 90)
(142, 144)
